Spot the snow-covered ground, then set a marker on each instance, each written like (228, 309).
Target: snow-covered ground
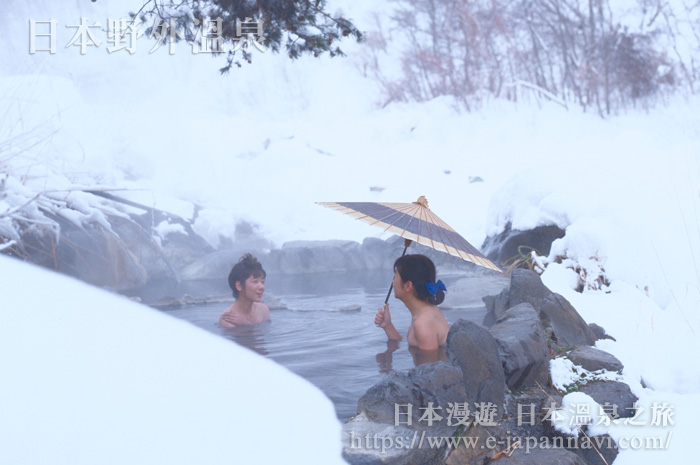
(266, 142)
(90, 377)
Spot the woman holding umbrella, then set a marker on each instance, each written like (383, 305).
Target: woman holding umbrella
(414, 285)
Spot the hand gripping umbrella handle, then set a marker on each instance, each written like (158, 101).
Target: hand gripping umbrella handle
(406, 243)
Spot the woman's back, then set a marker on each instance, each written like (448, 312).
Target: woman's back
(428, 329)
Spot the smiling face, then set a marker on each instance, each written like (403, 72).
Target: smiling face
(252, 289)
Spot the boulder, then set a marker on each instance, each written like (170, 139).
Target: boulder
(475, 351)
(179, 249)
(522, 347)
(246, 236)
(167, 302)
(439, 383)
(436, 384)
(111, 250)
(300, 257)
(555, 311)
(593, 359)
(309, 257)
(496, 306)
(615, 397)
(599, 332)
(379, 254)
(539, 456)
(90, 252)
(534, 437)
(370, 443)
(526, 286)
(142, 245)
(504, 246)
(592, 450)
(473, 448)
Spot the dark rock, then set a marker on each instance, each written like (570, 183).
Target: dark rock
(555, 311)
(549, 404)
(584, 446)
(599, 332)
(439, 383)
(89, 252)
(504, 246)
(522, 346)
(593, 359)
(109, 250)
(180, 249)
(475, 351)
(483, 442)
(545, 445)
(142, 245)
(246, 236)
(164, 256)
(361, 448)
(537, 456)
(526, 408)
(526, 286)
(615, 397)
(591, 449)
(478, 435)
(497, 304)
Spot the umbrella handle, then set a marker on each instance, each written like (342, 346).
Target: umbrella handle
(406, 243)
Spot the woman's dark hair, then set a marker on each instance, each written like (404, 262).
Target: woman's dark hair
(420, 270)
(246, 267)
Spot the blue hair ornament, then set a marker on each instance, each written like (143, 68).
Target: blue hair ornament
(433, 287)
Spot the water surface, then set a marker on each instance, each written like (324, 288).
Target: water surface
(339, 350)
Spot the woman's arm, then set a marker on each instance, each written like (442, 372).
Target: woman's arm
(383, 320)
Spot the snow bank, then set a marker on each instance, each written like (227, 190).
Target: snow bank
(90, 377)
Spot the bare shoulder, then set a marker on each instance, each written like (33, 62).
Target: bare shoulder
(229, 309)
(431, 328)
(425, 323)
(263, 310)
(425, 334)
